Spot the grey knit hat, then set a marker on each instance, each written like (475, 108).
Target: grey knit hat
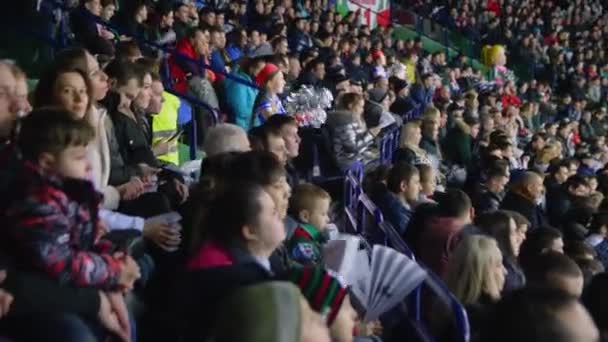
(266, 312)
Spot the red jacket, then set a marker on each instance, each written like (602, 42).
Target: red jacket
(179, 67)
(437, 241)
(211, 254)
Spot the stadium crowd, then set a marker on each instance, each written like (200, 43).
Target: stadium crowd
(498, 185)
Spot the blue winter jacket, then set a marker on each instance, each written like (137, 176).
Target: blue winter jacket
(240, 99)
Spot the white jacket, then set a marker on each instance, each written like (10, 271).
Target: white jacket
(99, 157)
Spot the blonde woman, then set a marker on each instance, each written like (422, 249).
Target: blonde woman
(409, 145)
(476, 276)
(546, 155)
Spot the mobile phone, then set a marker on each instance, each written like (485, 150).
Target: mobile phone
(176, 135)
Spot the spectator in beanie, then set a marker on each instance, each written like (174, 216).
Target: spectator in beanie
(326, 295)
(269, 312)
(267, 103)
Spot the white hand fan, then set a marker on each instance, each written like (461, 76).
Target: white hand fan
(340, 257)
(392, 277)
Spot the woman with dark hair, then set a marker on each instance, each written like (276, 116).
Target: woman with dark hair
(234, 252)
(66, 88)
(502, 227)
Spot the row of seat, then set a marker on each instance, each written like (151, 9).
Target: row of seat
(365, 219)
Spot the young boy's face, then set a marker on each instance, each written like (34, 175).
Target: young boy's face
(73, 163)
(319, 215)
(413, 189)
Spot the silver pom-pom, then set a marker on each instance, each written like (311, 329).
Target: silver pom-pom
(308, 105)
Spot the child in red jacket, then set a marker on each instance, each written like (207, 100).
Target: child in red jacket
(50, 213)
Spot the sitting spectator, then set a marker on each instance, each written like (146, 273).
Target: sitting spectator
(502, 227)
(351, 140)
(86, 31)
(186, 18)
(428, 183)
(234, 251)
(241, 96)
(597, 237)
(555, 270)
(326, 295)
(267, 139)
(52, 145)
(310, 207)
(524, 197)
(269, 312)
(267, 103)
(560, 201)
(186, 71)
(409, 150)
(476, 277)
(537, 315)
(558, 175)
(225, 138)
(594, 299)
(398, 197)
(287, 126)
(458, 144)
(490, 194)
(441, 232)
(431, 124)
(422, 93)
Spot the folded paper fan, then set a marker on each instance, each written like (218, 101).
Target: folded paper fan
(340, 255)
(391, 277)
